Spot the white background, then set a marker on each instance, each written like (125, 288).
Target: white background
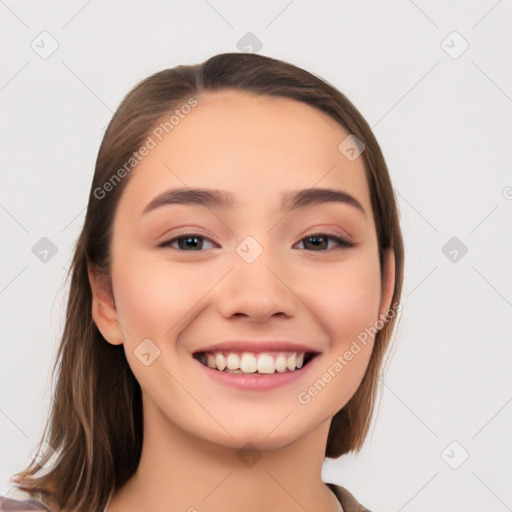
(445, 127)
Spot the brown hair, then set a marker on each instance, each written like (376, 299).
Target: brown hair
(95, 424)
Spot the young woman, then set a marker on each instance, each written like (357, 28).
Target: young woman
(233, 292)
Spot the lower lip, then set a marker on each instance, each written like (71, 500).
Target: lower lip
(256, 381)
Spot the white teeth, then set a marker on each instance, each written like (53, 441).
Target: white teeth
(292, 362)
(249, 362)
(233, 361)
(281, 363)
(220, 361)
(266, 364)
(210, 360)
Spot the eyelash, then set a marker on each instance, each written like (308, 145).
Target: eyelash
(342, 243)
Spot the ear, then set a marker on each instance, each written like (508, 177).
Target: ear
(388, 282)
(103, 307)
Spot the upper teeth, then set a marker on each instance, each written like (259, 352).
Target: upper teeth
(249, 362)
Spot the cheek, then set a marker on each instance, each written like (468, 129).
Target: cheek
(347, 303)
(347, 296)
(153, 295)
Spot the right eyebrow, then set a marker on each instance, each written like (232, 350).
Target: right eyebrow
(200, 196)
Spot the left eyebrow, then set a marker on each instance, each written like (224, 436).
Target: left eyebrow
(222, 199)
(309, 196)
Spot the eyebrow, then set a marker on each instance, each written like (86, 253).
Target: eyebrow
(222, 199)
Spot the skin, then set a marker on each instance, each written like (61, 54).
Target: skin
(255, 147)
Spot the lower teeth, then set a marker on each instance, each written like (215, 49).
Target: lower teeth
(226, 370)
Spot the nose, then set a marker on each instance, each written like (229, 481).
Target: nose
(257, 290)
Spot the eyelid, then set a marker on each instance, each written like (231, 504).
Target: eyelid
(342, 242)
(182, 231)
(170, 239)
(327, 231)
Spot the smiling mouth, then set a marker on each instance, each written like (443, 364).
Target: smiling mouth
(251, 363)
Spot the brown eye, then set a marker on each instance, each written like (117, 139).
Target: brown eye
(320, 241)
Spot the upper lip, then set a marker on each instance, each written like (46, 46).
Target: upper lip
(258, 346)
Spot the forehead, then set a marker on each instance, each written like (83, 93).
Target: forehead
(256, 146)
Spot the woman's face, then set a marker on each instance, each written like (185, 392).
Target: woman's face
(248, 272)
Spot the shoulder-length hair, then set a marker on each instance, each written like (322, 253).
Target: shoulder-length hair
(95, 422)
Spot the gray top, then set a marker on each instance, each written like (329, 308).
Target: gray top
(23, 502)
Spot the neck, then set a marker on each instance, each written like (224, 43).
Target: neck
(179, 471)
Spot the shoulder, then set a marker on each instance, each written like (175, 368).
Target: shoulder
(347, 500)
(21, 501)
